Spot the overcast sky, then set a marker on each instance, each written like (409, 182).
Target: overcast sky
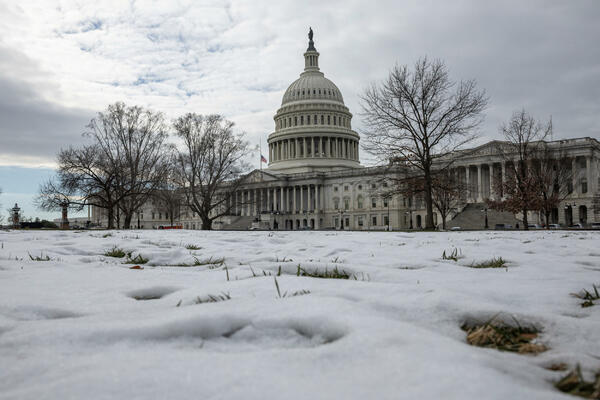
(63, 61)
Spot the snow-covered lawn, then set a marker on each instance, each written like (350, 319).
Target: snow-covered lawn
(72, 328)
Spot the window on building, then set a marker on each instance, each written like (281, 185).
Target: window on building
(386, 220)
(308, 120)
(152, 215)
(385, 202)
(335, 188)
(159, 215)
(359, 187)
(295, 121)
(373, 202)
(359, 202)
(302, 120)
(315, 120)
(334, 120)
(360, 220)
(374, 220)
(322, 120)
(345, 188)
(584, 185)
(329, 120)
(373, 186)
(347, 222)
(346, 204)
(385, 184)
(336, 203)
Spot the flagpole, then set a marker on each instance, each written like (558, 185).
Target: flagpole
(260, 153)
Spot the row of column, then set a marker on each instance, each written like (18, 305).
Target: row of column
(314, 146)
(480, 186)
(284, 199)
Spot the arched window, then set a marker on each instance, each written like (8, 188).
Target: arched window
(359, 202)
(584, 185)
(319, 91)
(308, 120)
(315, 119)
(329, 120)
(336, 203)
(302, 120)
(295, 121)
(346, 203)
(334, 120)
(322, 120)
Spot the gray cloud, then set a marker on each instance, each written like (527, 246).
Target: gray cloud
(59, 62)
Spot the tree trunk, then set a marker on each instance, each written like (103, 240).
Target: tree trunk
(428, 200)
(206, 224)
(127, 222)
(525, 223)
(443, 221)
(547, 216)
(111, 218)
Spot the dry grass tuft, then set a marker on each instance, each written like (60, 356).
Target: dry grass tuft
(504, 338)
(574, 383)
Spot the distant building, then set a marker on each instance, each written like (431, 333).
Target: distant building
(315, 179)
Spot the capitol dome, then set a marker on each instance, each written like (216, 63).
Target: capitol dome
(313, 126)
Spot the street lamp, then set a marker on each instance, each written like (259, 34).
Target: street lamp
(570, 206)
(409, 213)
(388, 217)
(341, 221)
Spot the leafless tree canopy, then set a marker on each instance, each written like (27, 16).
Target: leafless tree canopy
(525, 137)
(210, 165)
(417, 116)
(133, 142)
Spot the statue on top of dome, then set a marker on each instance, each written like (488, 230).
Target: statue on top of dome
(311, 44)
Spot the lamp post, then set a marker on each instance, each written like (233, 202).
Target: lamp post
(388, 216)
(570, 206)
(341, 220)
(15, 216)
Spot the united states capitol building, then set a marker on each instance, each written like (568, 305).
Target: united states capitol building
(315, 180)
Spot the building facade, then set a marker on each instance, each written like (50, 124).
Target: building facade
(314, 179)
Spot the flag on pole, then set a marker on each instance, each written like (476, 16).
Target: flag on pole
(263, 159)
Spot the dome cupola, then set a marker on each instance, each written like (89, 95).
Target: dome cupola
(313, 126)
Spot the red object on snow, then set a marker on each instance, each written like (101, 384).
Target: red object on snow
(136, 267)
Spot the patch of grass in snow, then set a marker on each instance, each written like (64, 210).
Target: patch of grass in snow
(211, 298)
(41, 257)
(139, 259)
(115, 252)
(497, 335)
(588, 297)
(335, 273)
(107, 235)
(496, 262)
(454, 255)
(210, 262)
(192, 247)
(284, 259)
(575, 384)
(291, 294)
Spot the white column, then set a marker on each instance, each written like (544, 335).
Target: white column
(468, 180)
(304, 144)
(589, 176)
(294, 200)
(575, 176)
(255, 205)
(317, 197)
(268, 199)
(281, 199)
(321, 149)
(491, 181)
(301, 198)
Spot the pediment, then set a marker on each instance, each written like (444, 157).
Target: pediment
(258, 176)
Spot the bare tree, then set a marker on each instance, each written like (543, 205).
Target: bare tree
(169, 195)
(524, 135)
(91, 178)
(133, 141)
(52, 196)
(446, 194)
(210, 165)
(416, 117)
(553, 176)
(1, 216)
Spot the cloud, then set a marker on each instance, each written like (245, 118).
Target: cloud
(60, 62)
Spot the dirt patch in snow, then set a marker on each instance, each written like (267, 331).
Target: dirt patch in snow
(152, 293)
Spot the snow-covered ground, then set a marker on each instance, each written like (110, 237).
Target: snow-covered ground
(71, 328)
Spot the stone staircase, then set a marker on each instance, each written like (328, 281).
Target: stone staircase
(473, 217)
(238, 224)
